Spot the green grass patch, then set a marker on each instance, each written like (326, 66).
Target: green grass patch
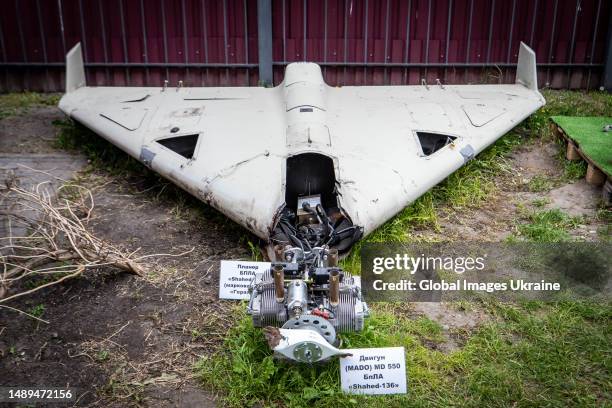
(540, 183)
(37, 311)
(540, 202)
(12, 104)
(548, 226)
(532, 355)
(574, 170)
(592, 141)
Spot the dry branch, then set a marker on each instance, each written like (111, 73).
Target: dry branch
(55, 242)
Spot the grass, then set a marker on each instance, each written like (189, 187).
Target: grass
(37, 311)
(540, 183)
(12, 104)
(548, 226)
(587, 133)
(532, 355)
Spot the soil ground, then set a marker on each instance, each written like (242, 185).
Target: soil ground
(124, 341)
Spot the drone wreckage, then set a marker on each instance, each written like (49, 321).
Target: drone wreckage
(307, 167)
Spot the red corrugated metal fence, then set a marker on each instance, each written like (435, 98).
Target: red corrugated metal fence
(208, 42)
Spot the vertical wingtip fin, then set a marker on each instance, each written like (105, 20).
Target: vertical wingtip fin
(526, 71)
(75, 70)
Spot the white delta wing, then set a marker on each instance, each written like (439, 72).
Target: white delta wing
(360, 153)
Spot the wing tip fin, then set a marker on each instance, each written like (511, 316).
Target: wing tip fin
(75, 70)
(526, 71)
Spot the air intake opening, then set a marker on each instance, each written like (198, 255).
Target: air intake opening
(311, 217)
(432, 142)
(309, 174)
(183, 145)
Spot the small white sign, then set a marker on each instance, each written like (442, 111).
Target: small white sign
(374, 371)
(236, 276)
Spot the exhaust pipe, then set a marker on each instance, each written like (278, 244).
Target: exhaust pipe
(279, 282)
(332, 257)
(334, 287)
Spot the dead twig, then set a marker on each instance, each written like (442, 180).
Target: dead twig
(49, 239)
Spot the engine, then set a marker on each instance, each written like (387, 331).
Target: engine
(305, 298)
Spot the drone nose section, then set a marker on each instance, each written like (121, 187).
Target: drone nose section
(303, 72)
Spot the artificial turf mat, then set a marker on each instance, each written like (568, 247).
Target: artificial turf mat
(587, 133)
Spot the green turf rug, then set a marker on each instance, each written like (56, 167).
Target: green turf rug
(587, 132)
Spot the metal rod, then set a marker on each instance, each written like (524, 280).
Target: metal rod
(104, 46)
(325, 36)
(448, 31)
(571, 52)
(264, 35)
(533, 21)
(43, 39)
(325, 31)
(185, 42)
(20, 30)
(205, 30)
(511, 31)
(365, 39)
(22, 41)
(428, 31)
(407, 45)
(60, 13)
(124, 41)
(386, 54)
(280, 63)
(205, 37)
(83, 32)
(469, 37)
(225, 45)
(165, 36)
(246, 38)
(428, 34)
(552, 41)
(490, 31)
(345, 40)
(144, 39)
(41, 29)
(593, 42)
(442, 65)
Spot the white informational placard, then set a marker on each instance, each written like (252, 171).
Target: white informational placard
(236, 276)
(374, 371)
